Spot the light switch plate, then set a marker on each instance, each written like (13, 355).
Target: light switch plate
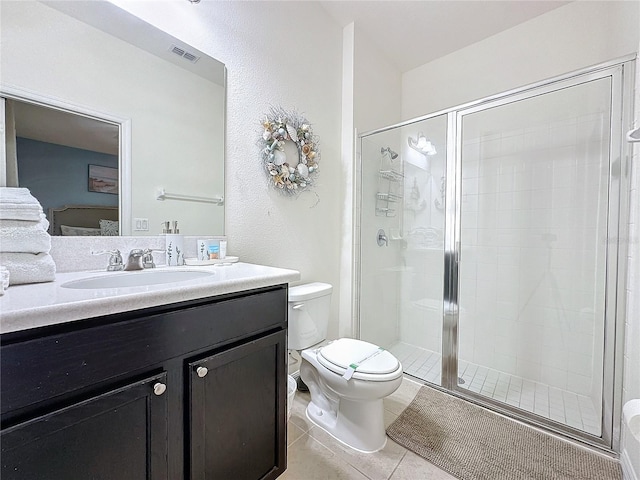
(140, 224)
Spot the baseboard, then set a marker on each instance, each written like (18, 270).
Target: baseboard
(628, 473)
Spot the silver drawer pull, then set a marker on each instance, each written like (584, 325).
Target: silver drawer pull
(202, 371)
(159, 388)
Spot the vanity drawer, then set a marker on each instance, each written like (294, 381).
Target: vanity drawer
(47, 367)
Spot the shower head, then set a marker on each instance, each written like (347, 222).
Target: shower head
(392, 154)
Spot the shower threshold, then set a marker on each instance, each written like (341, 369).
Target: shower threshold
(562, 406)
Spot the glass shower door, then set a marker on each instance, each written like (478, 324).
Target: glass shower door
(403, 195)
(534, 186)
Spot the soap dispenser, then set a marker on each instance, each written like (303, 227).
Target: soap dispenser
(174, 245)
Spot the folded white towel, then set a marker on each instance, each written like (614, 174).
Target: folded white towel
(42, 223)
(25, 237)
(18, 204)
(28, 268)
(4, 279)
(17, 195)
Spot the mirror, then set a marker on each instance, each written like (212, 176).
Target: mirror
(140, 112)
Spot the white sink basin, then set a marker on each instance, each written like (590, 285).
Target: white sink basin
(137, 279)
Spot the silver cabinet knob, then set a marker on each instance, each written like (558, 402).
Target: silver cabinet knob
(202, 371)
(159, 388)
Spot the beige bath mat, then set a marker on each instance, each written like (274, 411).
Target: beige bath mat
(472, 443)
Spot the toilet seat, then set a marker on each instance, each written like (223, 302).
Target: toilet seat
(374, 363)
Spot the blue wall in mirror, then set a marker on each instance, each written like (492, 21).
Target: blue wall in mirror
(58, 175)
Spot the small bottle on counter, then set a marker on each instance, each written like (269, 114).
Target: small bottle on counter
(174, 245)
(214, 252)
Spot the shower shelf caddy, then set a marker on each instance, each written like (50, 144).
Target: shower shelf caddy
(390, 185)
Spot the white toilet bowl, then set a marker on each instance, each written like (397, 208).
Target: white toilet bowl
(347, 403)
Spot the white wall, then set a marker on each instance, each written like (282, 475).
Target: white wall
(630, 457)
(632, 334)
(164, 103)
(377, 101)
(281, 54)
(577, 35)
(348, 259)
(378, 84)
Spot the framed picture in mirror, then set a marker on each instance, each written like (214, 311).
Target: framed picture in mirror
(103, 179)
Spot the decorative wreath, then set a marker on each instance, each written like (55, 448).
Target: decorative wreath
(290, 175)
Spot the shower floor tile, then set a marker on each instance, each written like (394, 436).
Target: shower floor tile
(559, 405)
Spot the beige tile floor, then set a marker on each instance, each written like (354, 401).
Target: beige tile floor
(315, 455)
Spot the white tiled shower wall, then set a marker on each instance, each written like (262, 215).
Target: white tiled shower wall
(423, 231)
(526, 310)
(531, 252)
(380, 270)
(538, 187)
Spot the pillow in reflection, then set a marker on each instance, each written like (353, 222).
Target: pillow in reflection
(68, 231)
(109, 228)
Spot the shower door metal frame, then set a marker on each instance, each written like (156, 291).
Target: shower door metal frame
(622, 71)
(621, 74)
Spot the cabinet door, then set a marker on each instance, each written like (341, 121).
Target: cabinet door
(121, 434)
(238, 412)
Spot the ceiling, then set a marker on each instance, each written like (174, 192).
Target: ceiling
(411, 33)
(61, 128)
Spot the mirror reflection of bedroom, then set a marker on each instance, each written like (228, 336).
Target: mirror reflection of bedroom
(69, 162)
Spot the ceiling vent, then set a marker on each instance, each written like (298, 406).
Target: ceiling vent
(181, 52)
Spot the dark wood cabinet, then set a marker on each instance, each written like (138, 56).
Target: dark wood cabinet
(126, 396)
(116, 435)
(236, 406)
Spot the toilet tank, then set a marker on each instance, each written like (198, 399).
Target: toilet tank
(309, 307)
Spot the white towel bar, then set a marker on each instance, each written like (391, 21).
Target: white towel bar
(164, 195)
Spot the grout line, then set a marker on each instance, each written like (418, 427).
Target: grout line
(401, 459)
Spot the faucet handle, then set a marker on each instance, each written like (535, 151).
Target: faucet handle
(115, 260)
(104, 252)
(147, 257)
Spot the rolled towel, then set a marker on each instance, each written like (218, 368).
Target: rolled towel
(28, 268)
(25, 237)
(18, 204)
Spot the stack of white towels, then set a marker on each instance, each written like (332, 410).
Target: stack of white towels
(24, 241)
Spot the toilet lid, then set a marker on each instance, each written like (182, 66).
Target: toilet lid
(370, 358)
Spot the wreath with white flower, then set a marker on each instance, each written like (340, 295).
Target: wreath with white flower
(290, 175)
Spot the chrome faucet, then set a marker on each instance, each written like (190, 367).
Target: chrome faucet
(140, 259)
(134, 261)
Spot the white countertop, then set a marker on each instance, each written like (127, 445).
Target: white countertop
(39, 304)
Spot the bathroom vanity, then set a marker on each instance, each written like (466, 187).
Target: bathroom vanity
(192, 389)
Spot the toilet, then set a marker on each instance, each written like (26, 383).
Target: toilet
(347, 379)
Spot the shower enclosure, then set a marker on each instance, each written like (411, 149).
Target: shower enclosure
(489, 249)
